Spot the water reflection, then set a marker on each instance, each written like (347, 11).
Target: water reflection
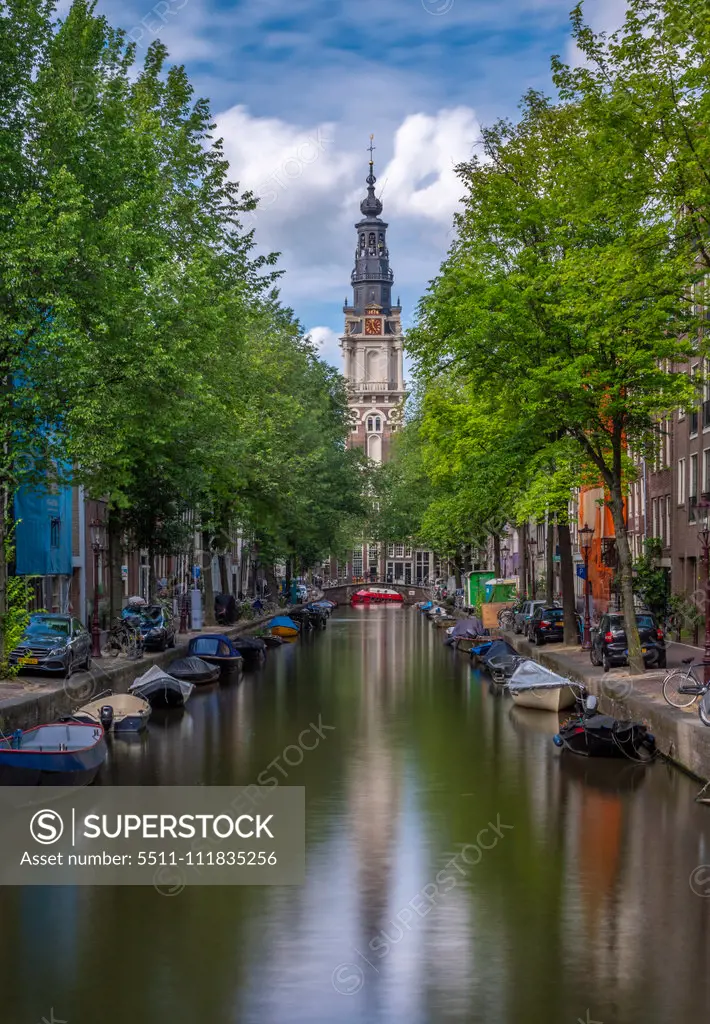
(421, 903)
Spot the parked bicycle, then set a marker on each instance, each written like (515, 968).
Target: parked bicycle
(682, 687)
(506, 618)
(123, 639)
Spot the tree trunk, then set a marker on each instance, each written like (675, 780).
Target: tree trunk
(288, 575)
(223, 575)
(457, 575)
(115, 560)
(567, 580)
(271, 580)
(152, 582)
(496, 555)
(209, 615)
(550, 561)
(636, 663)
(523, 559)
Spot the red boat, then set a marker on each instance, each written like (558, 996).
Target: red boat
(376, 595)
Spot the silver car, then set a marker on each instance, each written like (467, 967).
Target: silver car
(53, 643)
(523, 617)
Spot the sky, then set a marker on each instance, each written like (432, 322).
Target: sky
(297, 86)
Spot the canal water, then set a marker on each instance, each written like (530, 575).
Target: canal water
(458, 867)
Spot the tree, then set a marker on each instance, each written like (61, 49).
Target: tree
(564, 294)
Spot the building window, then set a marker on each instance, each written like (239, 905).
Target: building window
(374, 424)
(706, 472)
(399, 551)
(390, 550)
(654, 507)
(681, 481)
(668, 520)
(693, 477)
(357, 562)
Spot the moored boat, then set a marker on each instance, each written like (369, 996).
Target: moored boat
(218, 649)
(592, 734)
(59, 754)
(116, 712)
(252, 650)
(194, 670)
(284, 627)
(534, 686)
(376, 595)
(162, 690)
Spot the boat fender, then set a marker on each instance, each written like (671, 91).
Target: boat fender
(106, 717)
(557, 740)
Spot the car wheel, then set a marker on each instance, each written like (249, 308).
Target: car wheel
(70, 667)
(539, 640)
(606, 661)
(661, 663)
(87, 663)
(594, 657)
(171, 641)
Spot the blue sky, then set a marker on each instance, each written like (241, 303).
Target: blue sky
(298, 86)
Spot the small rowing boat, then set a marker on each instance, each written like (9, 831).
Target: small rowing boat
(60, 754)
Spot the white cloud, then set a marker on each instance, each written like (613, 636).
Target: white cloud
(328, 344)
(420, 179)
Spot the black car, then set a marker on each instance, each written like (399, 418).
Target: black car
(546, 624)
(53, 643)
(609, 646)
(157, 628)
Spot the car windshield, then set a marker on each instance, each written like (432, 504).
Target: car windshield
(642, 621)
(48, 624)
(553, 613)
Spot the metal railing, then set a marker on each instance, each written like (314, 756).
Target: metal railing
(373, 385)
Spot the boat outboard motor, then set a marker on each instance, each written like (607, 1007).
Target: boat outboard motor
(106, 717)
(591, 705)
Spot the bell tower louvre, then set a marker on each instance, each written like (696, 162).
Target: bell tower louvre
(372, 342)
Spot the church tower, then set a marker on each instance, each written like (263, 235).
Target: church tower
(372, 342)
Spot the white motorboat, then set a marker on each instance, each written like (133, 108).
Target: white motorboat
(120, 712)
(534, 686)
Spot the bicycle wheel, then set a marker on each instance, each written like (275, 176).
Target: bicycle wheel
(672, 692)
(110, 649)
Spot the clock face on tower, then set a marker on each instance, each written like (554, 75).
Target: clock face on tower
(373, 325)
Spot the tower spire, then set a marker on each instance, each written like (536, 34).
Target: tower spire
(371, 206)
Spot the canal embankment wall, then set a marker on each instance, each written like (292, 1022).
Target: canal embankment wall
(680, 735)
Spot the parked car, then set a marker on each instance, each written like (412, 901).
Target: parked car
(525, 614)
(546, 624)
(609, 646)
(157, 628)
(302, 592)
(53, 643)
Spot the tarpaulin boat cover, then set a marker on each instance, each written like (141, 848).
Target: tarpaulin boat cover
(468, 628)
(530, 675)
(156, 677)
(498, 648)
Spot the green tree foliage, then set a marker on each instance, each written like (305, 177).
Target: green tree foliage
(563, 296)
(141, 338)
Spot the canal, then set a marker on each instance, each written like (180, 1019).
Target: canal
(458, 868)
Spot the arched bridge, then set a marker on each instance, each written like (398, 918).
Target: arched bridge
(411, 593)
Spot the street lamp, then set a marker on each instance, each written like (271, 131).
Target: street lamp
(532, 549)
(97, 532)
(585, 542)
(505, 551)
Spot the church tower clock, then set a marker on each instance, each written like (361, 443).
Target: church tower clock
(372, 342)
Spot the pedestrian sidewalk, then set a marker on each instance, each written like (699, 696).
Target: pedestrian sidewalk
(680, 735)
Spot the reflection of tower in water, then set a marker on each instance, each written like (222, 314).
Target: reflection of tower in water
(375, 784)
